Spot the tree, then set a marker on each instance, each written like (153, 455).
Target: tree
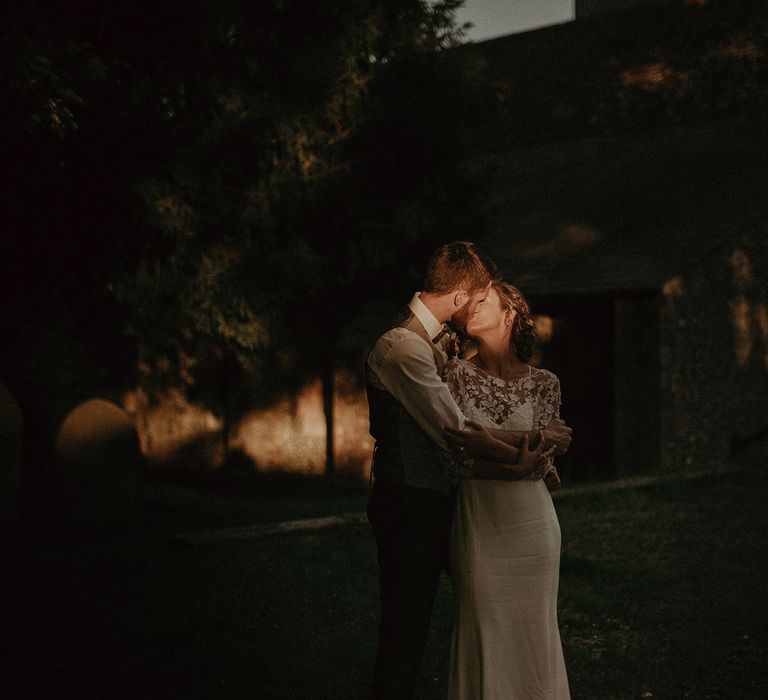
(290, 197)
(237, 175)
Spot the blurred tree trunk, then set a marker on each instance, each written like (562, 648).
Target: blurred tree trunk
(228, 378)
(328, 380)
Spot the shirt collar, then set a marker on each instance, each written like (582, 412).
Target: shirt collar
(427, 318)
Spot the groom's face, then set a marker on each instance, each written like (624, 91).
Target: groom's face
(464, 313)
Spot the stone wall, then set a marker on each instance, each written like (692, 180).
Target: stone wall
(655, 67)
(637, 384)
(714, 355)
(589, 8)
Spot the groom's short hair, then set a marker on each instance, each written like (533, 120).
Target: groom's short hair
(459, 265)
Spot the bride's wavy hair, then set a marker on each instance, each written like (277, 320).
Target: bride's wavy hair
(522, 336)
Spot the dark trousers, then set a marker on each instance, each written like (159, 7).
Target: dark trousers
(412, 529)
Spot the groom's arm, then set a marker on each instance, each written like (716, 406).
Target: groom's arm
(480, 467)
(406, 369)
(513, 437)
(556, 434)
(497, 454)
(484, 455)
(402, 364)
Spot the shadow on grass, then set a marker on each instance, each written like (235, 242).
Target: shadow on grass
(239, 477)
(661, 592)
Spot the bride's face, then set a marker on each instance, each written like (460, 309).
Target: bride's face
(489, 317)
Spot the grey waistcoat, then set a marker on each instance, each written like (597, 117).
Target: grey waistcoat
(404, 453)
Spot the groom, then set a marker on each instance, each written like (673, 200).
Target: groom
(411, 503)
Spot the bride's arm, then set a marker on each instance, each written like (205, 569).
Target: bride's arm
(478, 442)
(515, 437)
(556, 432)
(493, 444)
(493, 453)
(529, 460)
(491, 458)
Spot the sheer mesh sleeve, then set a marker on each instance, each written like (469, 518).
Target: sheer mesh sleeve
(547, 408)
(529, 402)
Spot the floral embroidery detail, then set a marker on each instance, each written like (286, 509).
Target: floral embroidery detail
(453, 345)
(529, 403)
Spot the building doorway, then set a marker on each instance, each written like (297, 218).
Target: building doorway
(581, 352)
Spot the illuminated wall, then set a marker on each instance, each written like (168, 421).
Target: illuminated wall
(289, 435)
(292, 434)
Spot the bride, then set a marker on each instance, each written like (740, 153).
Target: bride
(505, 549)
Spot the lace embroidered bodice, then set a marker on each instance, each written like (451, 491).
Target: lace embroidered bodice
(528, 403)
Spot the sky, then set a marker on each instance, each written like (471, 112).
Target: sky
(497, 17)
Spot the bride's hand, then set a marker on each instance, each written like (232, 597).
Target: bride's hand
(557, 433)
(552, 480)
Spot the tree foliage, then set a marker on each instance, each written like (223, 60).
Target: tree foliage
(240, 183)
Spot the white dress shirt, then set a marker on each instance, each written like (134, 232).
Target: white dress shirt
(402, 363)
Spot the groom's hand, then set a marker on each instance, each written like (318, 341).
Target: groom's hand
(478, 443)
(533, 458)
(558, 435)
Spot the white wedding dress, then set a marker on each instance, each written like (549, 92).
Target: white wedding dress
(505, 555)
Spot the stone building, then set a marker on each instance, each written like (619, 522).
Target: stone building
(623, 185)
(589, 8)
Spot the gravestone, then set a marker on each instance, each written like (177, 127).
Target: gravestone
(11, 447)
(98, 452)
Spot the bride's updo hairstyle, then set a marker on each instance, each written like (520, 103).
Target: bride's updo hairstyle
(458, 265)
(522, 336)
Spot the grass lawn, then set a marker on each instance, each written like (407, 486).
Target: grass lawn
(662, 595)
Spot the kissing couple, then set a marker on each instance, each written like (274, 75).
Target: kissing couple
(463, 468)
